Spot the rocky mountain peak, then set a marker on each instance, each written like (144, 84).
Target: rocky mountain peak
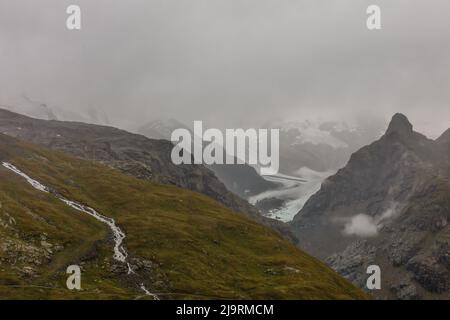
(445, 137)
(399, 124)
(388, 205)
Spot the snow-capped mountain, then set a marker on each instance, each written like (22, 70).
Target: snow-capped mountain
(389, 206)
(161, 128)
(41, 110)
(312, 132)
(310, 151)
(321, 145)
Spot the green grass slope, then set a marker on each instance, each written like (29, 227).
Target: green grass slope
(183, 245)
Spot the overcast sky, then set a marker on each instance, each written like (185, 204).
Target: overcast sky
(231, 62)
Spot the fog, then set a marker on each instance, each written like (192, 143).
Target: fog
(363, 225)
(233, 63)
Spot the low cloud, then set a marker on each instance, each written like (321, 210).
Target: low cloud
(363, 225)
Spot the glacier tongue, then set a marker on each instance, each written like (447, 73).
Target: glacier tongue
(295, 191)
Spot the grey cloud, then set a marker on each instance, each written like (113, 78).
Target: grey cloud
(230, 62)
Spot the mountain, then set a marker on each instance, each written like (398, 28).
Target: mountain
(136, 239)
(41, 110)
(310, 151)
(389, 206)
(444, 139)
(241, 179)
(321, 145)
(133, 154)
(161, 129)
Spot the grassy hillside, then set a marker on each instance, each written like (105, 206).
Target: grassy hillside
(183, 244)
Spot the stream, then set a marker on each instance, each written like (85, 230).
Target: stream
(120, 253)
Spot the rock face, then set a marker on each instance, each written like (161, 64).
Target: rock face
(389, 206)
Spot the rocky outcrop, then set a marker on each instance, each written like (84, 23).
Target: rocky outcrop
(431, 275)
(389, 206)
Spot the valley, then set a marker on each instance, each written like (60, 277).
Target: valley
(224, 150)
(290, 198)
(181, 243)
(356, 233)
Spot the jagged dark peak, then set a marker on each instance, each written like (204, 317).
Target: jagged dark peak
(399, 124)
(445, 137)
